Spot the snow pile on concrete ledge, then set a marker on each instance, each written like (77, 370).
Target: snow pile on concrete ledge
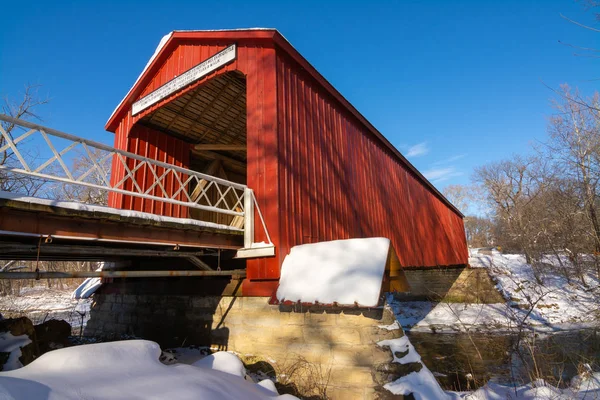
(345, 272)
(127, 370)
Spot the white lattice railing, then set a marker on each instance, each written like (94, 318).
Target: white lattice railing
(33, 152)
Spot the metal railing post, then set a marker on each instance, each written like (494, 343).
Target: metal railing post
(248, 218)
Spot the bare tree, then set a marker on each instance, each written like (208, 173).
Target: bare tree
(574, 145)
(24, 108)
(460, 195)
(479, 231)
(96, 166)
(512, 186)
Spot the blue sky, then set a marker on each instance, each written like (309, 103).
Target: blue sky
(452, 84)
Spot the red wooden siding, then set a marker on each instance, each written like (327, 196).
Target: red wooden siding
(256, 60)
(148, 142)
(338, 181)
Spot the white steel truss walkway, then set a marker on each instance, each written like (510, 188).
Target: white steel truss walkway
(49, 156)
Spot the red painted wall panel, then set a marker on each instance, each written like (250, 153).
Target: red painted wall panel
(338, 181)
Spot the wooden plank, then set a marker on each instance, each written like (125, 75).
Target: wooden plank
(212, 168)
(220, 147)
(216, 156)
(199, 263)
(27, 247)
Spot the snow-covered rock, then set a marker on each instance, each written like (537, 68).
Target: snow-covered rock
(421, 383)
(12, 345)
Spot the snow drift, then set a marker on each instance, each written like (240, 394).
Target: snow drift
(122, 370)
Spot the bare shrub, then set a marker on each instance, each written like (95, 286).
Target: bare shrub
(294, 375)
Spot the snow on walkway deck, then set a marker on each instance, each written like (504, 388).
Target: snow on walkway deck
(95, 209)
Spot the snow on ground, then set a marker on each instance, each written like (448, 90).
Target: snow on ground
(40, 303)
(427, 316)
(72, 205)
(555, 303)
(223, 361)
(423, 385)
(125, 370)
(585, 386)
(346, 272)
(184, 355)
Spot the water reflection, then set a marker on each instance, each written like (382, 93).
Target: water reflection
(465, 362)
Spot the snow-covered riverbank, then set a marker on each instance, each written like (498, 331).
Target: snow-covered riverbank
(39, 303)
(551, 304)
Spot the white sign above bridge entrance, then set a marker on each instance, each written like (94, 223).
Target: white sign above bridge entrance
(204, 68)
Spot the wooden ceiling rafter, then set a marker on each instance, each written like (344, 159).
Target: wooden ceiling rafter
(197, 139)
(212, 114)
(235, 164)
(212, 103)
(190, 101)
(224, 112)
(231, 121)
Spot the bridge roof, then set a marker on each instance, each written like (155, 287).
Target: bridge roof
(170, 41)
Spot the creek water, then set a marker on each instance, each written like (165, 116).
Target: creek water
(462, 361)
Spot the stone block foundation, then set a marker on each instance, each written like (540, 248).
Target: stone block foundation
(328, 351)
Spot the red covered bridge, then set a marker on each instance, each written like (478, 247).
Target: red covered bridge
(266, 117)
(239, 109)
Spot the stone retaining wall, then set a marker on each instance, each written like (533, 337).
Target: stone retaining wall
(339, 345)
(457, 285)
(474, 285)
(429, 283)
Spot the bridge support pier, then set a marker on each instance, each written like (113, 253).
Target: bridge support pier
(336, 347)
